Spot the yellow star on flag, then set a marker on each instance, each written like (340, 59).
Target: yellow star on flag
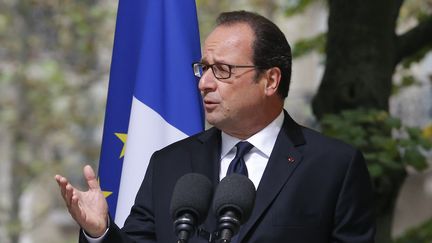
(427, 132)
(123, 138)
(105, 193)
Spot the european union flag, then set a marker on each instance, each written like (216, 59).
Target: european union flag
(153, 99)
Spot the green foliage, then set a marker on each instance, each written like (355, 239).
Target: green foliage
(388, 146)
(297, 6)
(14, 226)
(305, 46)
(417, 57)
(419, 234)
(54, 62)
(407, 81)
(386, 143)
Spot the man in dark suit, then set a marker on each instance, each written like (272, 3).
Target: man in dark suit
(310, 188)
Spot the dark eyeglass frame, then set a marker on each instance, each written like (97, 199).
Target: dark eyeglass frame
(200, 68)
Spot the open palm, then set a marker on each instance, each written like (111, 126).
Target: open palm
(88, 208)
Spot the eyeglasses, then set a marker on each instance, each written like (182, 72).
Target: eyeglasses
(220, 70)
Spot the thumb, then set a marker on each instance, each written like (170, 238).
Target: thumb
(90, 177)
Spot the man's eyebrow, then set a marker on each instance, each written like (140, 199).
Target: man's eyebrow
(204, 61)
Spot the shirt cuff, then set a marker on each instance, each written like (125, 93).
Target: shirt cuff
(100, 238)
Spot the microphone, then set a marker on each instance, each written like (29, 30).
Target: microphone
(233, 203)
(189, 204)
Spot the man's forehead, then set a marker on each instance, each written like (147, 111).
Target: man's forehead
(237, 31)
(228, 39)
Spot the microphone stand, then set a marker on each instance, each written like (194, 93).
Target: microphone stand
(223, 241)
(229, 225)
(184, 227)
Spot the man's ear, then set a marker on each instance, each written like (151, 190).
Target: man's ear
(273, 76)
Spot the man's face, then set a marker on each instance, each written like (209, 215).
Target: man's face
(231, 104)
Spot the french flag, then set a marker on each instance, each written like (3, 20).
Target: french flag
(153, 99)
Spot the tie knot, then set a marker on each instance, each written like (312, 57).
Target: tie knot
(238, 164)
(243, 148)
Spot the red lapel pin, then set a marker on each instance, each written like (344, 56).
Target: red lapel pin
(291, 159)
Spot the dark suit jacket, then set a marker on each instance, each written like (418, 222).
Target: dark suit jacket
(313, 190)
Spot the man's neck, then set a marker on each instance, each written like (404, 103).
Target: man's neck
(243, 133)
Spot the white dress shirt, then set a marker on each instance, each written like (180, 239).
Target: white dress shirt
(256, 159)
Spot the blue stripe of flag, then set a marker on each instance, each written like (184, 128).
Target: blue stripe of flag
(166, 81)
(155, 43)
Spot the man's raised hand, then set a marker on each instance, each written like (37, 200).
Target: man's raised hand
(88, 208)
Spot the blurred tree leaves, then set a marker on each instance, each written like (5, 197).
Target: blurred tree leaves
(420, 234)
(54, 62)
(389, 148)
(293, 7)
(307, 45)
(369, 130)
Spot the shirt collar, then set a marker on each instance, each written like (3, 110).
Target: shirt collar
(263, 140)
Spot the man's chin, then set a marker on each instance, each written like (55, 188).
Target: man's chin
(212, 120)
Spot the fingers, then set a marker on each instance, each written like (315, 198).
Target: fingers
(74, 206)
(90, 177)
(58, 179)
(87, 208)
(66, 189)
(62, 182)
(69, 194)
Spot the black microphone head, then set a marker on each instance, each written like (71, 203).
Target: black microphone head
(192, 194)
(235, 192)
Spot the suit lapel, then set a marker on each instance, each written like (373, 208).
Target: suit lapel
(205, 157)
(282, 163)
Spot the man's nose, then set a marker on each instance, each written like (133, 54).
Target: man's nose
(207, 82)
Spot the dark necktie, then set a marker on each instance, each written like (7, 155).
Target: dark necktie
(238, 164)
